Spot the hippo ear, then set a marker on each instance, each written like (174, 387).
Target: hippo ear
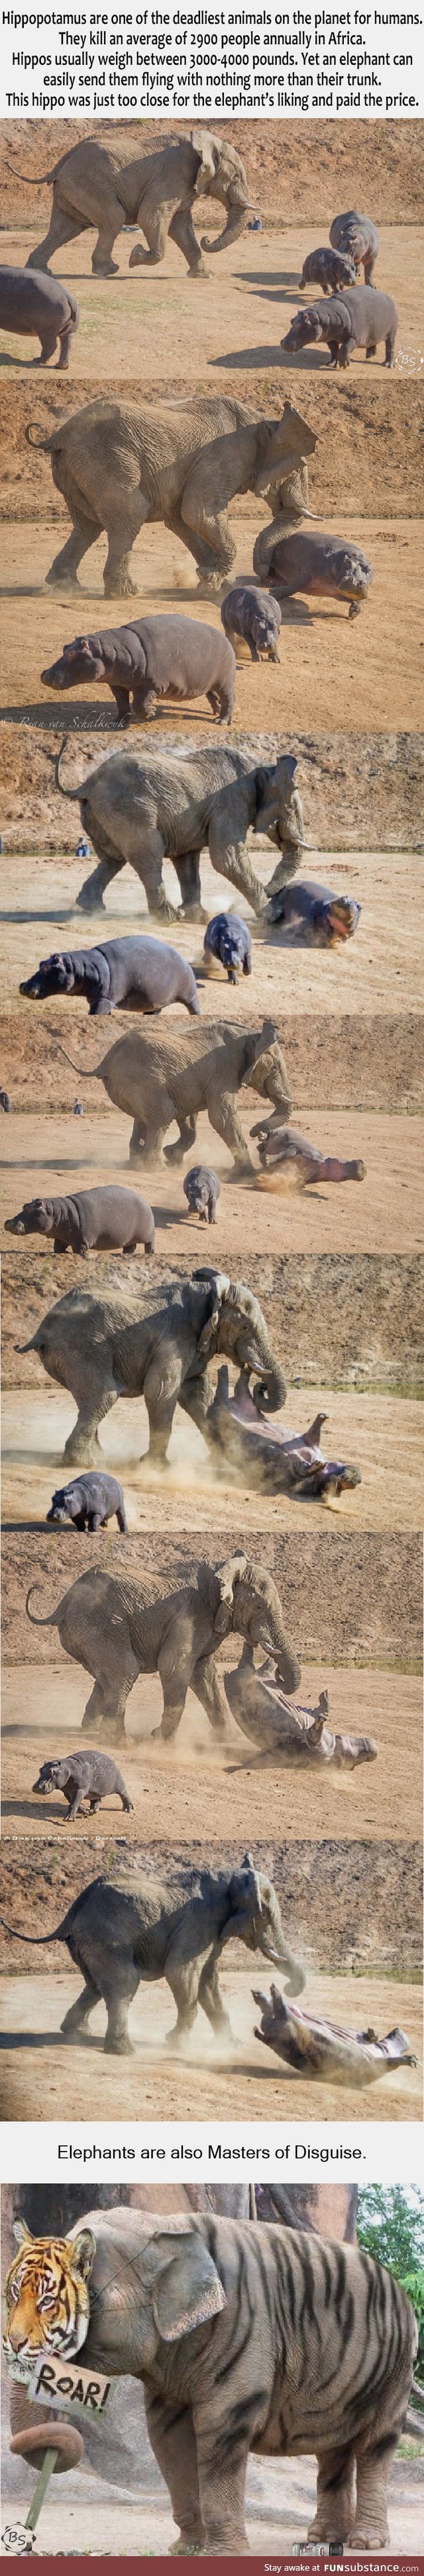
(186, 2290)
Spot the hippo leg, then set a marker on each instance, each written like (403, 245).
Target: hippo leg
(123, 704)
(65, 565)
(74, 1809)
(65, 338)
(371, 350)
(122, 1519)
(144, 700)
(273, 654)
(390, 349)
(48, 347)
(94, 1802)
(333, 346)
(369, 265)
(221, 701)
(60, 1247)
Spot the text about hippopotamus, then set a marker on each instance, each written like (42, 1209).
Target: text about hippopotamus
(251, 61)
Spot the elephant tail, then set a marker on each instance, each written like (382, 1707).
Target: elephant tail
(38, 443)
(42, 179)
(73, 792)
(87, 1072)
(49, 1622)
(36, 1940)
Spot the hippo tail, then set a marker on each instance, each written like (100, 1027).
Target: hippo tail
(73, 792)
(49, 1622)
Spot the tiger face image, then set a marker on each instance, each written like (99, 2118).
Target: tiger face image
(46, 2295)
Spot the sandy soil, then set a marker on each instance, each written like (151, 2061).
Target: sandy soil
(85, 2517)
(42, 1713)
(240, 314)
(321, 167)
(380, 1433)
(46, 2078)
(365, 672)
(346, 1600)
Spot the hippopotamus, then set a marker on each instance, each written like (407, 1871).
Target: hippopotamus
(37, 307)
(277, 1725)
(151, 658)
(228, 938)
(264, 1454)
(323, 918)
(83, 1775)
(322, 567)
(249, 613)
(104, 1220)
(119, 975)
(89, 1501)
(329, 269)
(359, 237)
(315, 2047)
(202, 1189)
(356, 319)
(289, 1161)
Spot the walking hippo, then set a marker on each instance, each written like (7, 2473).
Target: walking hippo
(37, 307)
(202, 1189)
(329, 269)
(83, 1775)
(104, 1220)
(89, 1502)
(266, 1455)
(319, 2048)
(154, 657)
(322, 567)
(289, 1161)
(249, 616)
(323, 919)
(228, 939)
(259, 1705)
(355, 319)
(356, 235)
(141, 974)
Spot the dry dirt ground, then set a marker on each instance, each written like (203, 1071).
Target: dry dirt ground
(86, 2517)
(308, 173)
(353, 673)
(236, 318)
(169, 1786)
(43, 2077)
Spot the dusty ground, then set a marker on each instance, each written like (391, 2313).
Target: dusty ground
(85, 2517)
(360, 671)
(318, 170)
(42, 1713)
(46, 2078)
(360, 791)
(234, 319)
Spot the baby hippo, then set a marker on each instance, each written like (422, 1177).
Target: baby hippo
(202, 1189)
(356, 319)
(105, 1220)
(289, 1161)
(37, 307)
(322, 568)
(359, 237)
(89, 1501)
(156, 657)
(251, 615)
(120, 975)
(228, 938)
(83, 1775)
(329, 269)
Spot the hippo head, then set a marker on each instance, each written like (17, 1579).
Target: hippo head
(81, 660)
(36, 1217)
(48, 1778)
(305, 328)
(59, 974)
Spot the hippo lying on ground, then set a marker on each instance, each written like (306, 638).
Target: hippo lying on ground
(202, 1189)
(119, 975)
(259, 1704)
(83, 1775)
(227, 937)
(104, 1220)
(37, 307)
(329, 269)
(89, 1501)
(319, 2048)
(322, 567)
(356, 235)
(251, 615)
(323, 918)
(154, 657)
(289, 1161)
(356, 319)
(264, 1454)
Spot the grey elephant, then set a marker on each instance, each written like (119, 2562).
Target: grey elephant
(92, 189)
(120, 1625)
(123, 1935)
(160, 1080)
(270, 2340)
(137, 811)
(120, 466)
(159, 1347)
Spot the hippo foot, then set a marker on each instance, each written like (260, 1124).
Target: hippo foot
(355, 608)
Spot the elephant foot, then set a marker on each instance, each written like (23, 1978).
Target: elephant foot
(105, 268)
(201, 271)
(119, 586)
(186, 2548)
(192, 912)
(66, 582)
(207, 581)
(115, 2047)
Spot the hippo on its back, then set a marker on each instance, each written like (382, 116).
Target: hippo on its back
(323, 567)
(130, 974)
(103, 1220)
(38, 308)
(150, 658)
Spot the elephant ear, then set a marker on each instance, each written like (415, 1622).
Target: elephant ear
(216, 1587)
(83, 2251)
(219, 1285)
(204, 144)
(187, 2291)
(248, 1864)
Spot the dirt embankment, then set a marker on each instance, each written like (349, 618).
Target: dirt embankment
(325, 1893)
(352, 1600)
(374, 1063)
(359, 791)
(292, 171)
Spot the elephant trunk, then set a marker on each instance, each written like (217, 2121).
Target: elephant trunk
(232, 229)
(283, 1958)
(274, 1641)
(270, 1390)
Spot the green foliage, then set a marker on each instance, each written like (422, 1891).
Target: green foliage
(391, 2226)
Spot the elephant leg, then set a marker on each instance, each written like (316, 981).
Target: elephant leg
(172, 2439)
(83, 1446)
(153, 221)
(182, 232)
(369, 2527)
(208, 1685)
(231, 859)
(84, 2005)
(209, 525)
(90, 898)
(105, 1710)
(223, 2445)
(175, 1681)
(184, 1984)
(148, 1133)
(186, 1138)
(145, 852)
(102, 263)
(161, 1393)
(335, 2496)
(187, 870)
(127, 517)
(196, 545)
(195, 1397)
(118, 1992)
(65, 564)
(210, 1998)
(223, 1117)
(62, 228)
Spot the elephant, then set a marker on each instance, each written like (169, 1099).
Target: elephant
(123, 1935)
(137, 811)
(123, 465)
(120, 1625)
(105, 1347)
(267, 2340)
(92, 189)
(159, 1080)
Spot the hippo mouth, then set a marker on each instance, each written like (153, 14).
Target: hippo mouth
(56, 680)
(339, 918)
(14, 1225)
(40, 1787)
